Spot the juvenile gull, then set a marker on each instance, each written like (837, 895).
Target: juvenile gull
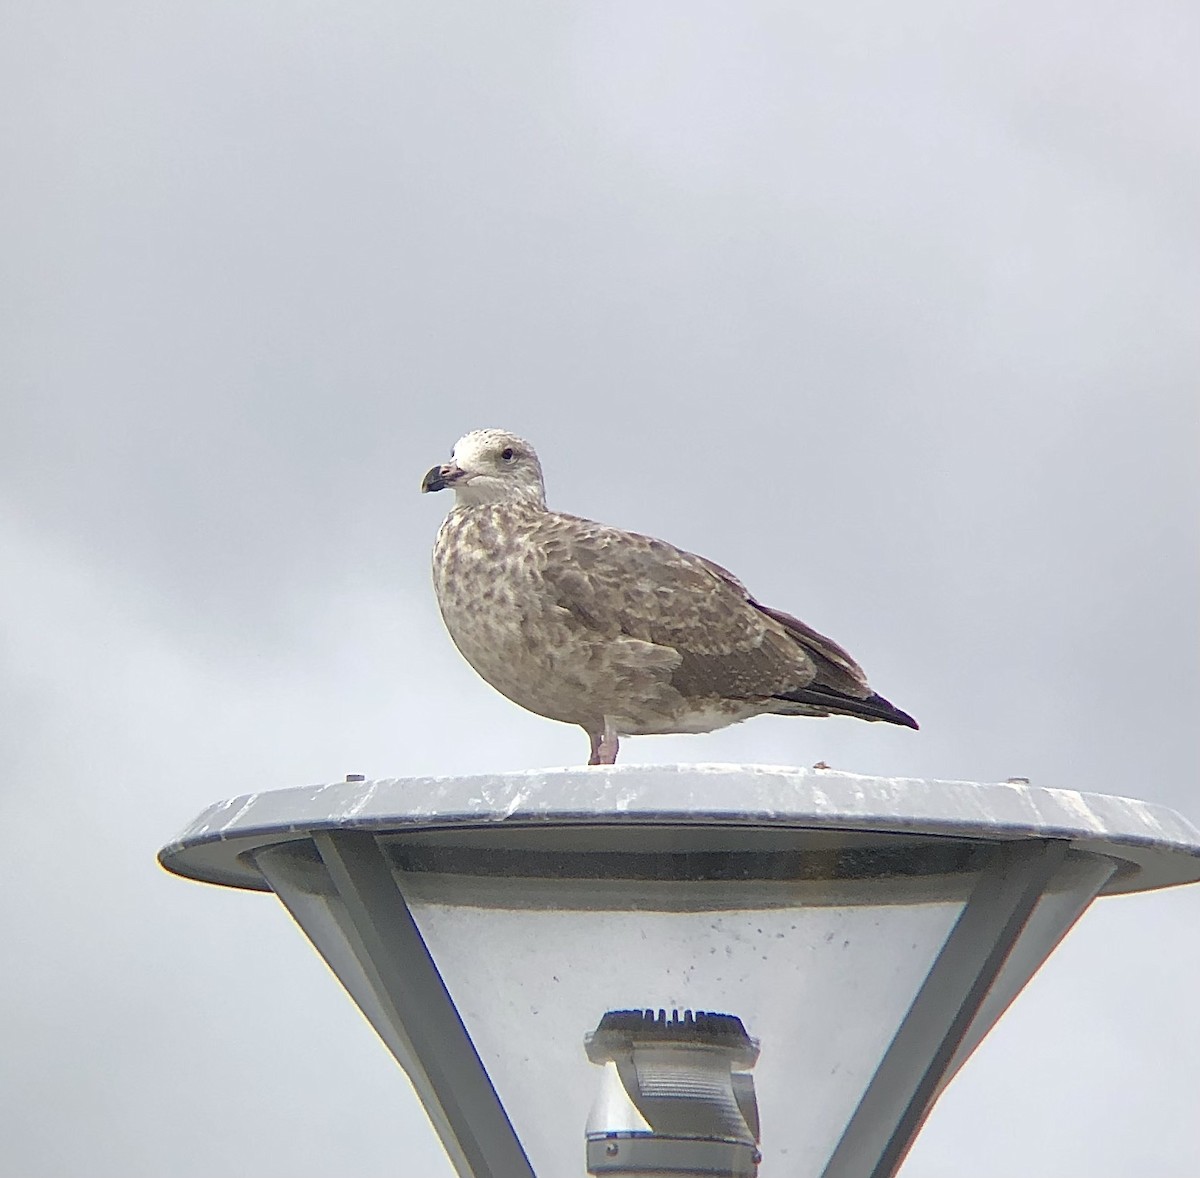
(619, 633)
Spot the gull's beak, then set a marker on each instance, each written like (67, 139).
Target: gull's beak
(441, 477)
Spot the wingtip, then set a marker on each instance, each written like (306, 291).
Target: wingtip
(892, 714)
(834, 703)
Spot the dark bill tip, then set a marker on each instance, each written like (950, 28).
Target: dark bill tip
(434, 481)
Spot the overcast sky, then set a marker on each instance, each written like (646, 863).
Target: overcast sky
(891, 309)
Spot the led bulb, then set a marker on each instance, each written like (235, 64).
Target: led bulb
(670, 1100)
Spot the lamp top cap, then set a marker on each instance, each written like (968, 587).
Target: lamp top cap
(1157, 846)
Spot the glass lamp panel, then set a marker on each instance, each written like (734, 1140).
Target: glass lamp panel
(817, 941)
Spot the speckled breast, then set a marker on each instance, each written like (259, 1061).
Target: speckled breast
(500, 615)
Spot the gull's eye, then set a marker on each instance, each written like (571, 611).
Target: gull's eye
(507, 454)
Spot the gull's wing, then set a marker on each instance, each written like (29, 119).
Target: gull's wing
(622, 583)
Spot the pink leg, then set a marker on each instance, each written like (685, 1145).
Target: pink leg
(604, 746)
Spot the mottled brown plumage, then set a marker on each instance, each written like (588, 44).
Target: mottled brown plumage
(617, 632)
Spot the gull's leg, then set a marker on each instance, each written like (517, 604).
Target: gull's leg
(608, 744)
(604, 746)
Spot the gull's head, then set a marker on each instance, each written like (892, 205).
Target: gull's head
(490, 466)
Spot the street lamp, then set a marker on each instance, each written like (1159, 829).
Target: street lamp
(683, 970)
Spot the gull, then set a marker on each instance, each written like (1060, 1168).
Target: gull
(620, 633)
